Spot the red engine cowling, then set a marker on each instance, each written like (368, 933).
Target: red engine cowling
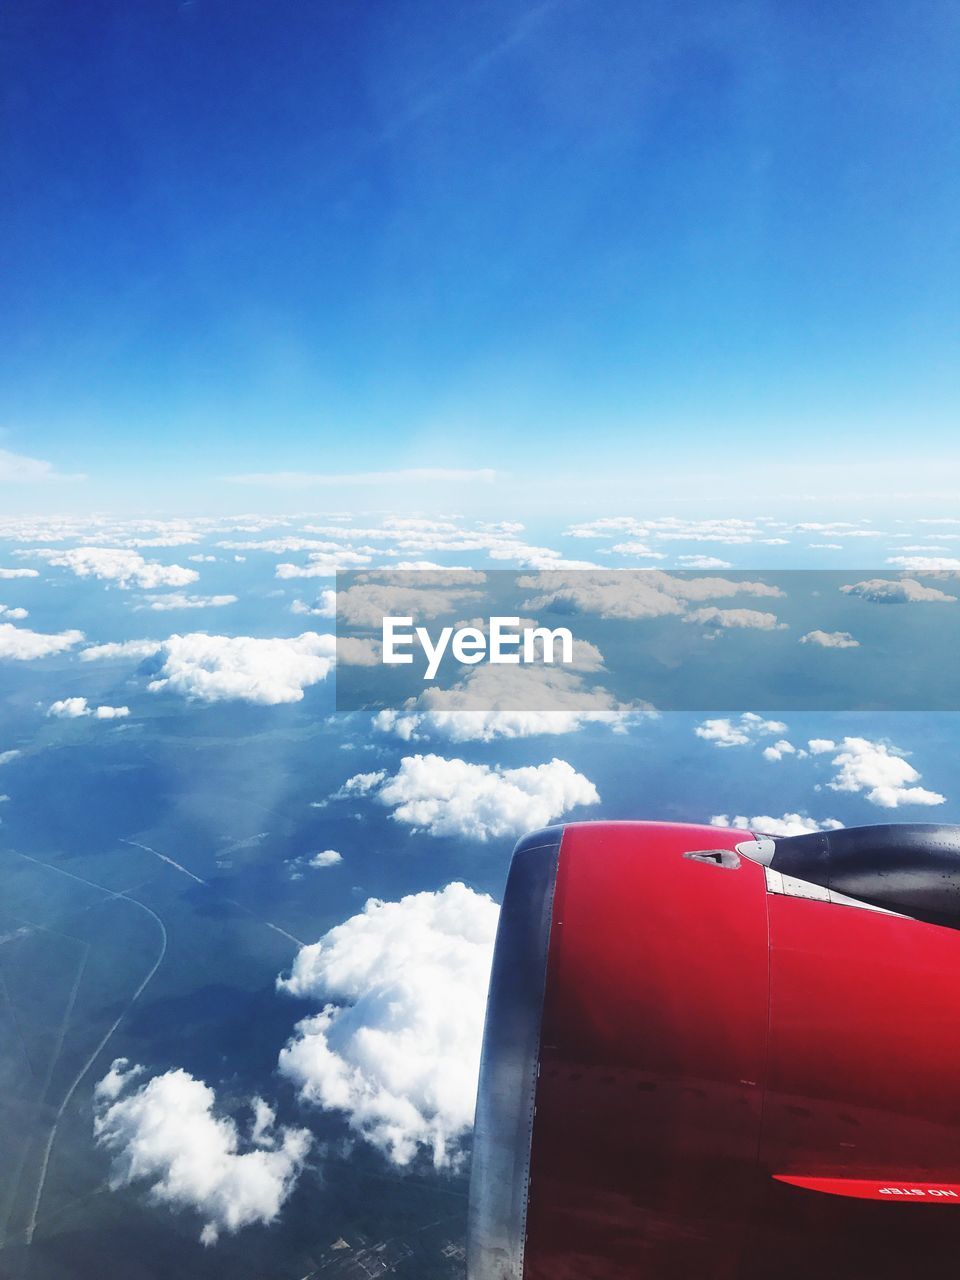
(721, 1056)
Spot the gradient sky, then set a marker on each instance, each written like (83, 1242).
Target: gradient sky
(610, 249)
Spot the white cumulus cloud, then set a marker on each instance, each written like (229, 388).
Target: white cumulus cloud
(181, 600)
(831, 639)
(266, 671)
(477, 801)
(396, 1045)
(21, 644)
(897, 591)
(790, 824)
(747, 729)
(166, 1134)
(741, 619)
(74, 708)
(877, 771)
(125, 568)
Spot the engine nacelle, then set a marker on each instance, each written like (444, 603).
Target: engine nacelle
(721, 1055)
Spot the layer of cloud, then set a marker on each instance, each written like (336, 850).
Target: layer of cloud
(318, 479)
(9, 574)
(396, 1045)
(476, 801)
(166, 1134)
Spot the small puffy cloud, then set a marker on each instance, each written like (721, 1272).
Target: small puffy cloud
(202, 559)
(742, 732)
(325, 606)
(818, 746)
(74, 708)
(632, 548)
(18, 573)
(7, 756)
(325, 858)
(781, 749)
(16, 614)
(831, 639)
(266, 671)
(878, 772)
(741, 619)
(703, 562)
(897, 591)
(180, 600)
(477, 801)
(791, 824)
(120, 649)
(68, 708)
(125, 568)
(165, 1133)
(22, 645)
(396, 1046)
(324, 564)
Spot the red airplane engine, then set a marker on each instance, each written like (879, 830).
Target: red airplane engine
(718, 1055)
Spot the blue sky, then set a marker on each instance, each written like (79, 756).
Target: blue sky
(684, 251)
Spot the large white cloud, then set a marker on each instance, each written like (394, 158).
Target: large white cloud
(165, 1133)
(875, 770)
(266, 671)
(455, 798)
(790, 824)
(22, 644)
(125, 568)
(396, 1045)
